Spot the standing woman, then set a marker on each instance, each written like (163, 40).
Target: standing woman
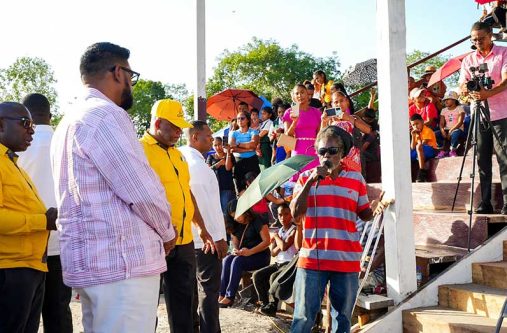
(242, 143)
(322, 86)
(303, 125)
(347, 122)
(265, 144)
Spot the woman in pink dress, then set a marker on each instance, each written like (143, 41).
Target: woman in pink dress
(347, 122)
(303, 125)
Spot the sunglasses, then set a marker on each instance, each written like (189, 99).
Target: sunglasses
(26, 122)
(134, 76)
(330, 151)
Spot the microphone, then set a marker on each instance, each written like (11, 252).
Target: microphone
(326, 164)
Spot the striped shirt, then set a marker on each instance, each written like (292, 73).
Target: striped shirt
(113, 213)
(330, 239)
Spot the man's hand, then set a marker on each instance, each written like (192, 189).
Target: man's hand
(209, 244)
(320, 171)
(480, 95)
(382, 203)
(221, 248)
(169, 246)
(51, 215)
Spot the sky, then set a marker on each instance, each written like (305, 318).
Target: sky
(161, 33)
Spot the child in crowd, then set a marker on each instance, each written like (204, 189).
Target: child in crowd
(451, 124)
(279, 153)
(282, 247)
(423, 107)
(423, 145)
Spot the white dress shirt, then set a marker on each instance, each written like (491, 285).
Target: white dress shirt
(204, 187)
(37, 163)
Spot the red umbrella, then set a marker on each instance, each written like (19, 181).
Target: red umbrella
(482, 2)
(452, 65)
(223, 106)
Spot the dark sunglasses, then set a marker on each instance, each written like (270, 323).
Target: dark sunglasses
(330, 151)
(26, 122)
(134, 76)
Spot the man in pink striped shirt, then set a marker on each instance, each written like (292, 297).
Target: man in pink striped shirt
(114, 218)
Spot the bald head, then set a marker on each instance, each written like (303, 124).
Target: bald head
(15, 126)
(39, 107)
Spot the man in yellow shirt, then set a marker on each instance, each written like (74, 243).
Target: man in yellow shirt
(23, 229)
(159, 146)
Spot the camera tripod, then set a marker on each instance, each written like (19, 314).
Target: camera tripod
(480, 117)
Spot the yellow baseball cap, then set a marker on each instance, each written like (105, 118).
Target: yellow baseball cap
(171, 111)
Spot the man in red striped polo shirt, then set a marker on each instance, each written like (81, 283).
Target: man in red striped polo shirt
(327, 202)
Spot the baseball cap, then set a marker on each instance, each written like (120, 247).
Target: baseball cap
(171, 111)
(416, 92)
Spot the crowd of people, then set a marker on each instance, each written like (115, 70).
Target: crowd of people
(117, 218)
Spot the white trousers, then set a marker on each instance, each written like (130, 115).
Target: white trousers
(123, 306)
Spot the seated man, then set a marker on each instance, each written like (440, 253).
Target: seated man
(282, 247)
(423, 145)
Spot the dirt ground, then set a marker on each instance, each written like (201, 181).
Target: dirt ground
(232, 320)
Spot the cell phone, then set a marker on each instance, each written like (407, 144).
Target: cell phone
(334, 112)
(294, 110)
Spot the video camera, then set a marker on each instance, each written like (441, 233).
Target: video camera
(479, 79)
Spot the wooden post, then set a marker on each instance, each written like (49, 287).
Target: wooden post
(395, 142)
(200, 88)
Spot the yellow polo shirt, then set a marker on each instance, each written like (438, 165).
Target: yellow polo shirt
(23, 234)
(172, 169)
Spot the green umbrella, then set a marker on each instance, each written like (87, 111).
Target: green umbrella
(269, 179)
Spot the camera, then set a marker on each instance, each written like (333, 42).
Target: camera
(479, 79)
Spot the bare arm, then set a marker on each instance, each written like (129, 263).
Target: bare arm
(284, 245)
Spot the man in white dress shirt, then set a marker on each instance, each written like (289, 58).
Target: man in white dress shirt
(204, 187)
(56, 313)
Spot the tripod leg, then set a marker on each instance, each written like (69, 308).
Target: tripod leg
(467, 147)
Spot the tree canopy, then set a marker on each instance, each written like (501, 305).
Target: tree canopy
(437, 61)
(268, 69)
(25, 76)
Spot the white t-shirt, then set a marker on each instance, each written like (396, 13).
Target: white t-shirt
(286, 256)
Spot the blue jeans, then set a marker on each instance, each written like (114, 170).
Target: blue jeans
(455, 137)
(225, 197)
(234, 266)
(428, 151)
(309, 290)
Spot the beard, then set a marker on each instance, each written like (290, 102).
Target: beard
(127, 100)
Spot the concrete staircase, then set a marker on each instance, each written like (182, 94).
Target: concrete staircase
(465, 308)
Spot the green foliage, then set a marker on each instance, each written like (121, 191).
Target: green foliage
(215, 125)
(437, 61)
(266, 68)
(28, 75)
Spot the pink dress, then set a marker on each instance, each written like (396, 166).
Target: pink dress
(351, 162)
(305, 133)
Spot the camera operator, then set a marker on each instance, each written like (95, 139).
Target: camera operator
(496, 59)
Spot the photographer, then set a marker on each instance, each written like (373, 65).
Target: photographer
(496, 59)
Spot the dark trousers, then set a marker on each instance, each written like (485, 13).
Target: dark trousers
(486, 144)
(21, 295)
(242, 167)
(206, 310)
(56, 314)
(179, 284)
(233, 268)
(263, 278)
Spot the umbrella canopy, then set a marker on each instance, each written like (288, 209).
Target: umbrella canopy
(269, 179)
(482, 2)
(361, 74)
(452, 65)
(223, 106)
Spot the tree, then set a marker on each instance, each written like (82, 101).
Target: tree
(28, 75)
(437, 61)
(266, 68)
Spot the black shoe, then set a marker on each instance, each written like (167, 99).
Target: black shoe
(504, 210)
(269, 310)
(487, 209)
(422, 176)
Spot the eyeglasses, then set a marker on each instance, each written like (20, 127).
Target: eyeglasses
(26, 122)
(134, 76)
(477, 40)
(330, 151)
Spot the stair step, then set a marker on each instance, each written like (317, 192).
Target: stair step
(451, 228)
(492, 274)
(447, 169)
(473, 298)
(439, 195)
(444, 320)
